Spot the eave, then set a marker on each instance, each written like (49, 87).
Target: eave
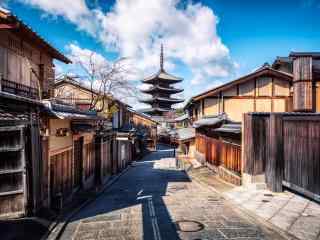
(162, 89)
(258, 73)
(157, 99)
(10, 22)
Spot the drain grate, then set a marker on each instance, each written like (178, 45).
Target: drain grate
(189, 226)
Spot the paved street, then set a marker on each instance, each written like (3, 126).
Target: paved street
(154, 200)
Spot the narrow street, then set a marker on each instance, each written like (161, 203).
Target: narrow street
(155, 200)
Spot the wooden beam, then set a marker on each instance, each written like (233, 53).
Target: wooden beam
(272, 94)
(255, 95)
(275, 161)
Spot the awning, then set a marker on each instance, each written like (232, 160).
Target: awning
(182, 118)
(229, 128)
(186, 133)
(208, 121)
(62, 111)
(9, 115)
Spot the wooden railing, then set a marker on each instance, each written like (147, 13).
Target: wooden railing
(18, 89)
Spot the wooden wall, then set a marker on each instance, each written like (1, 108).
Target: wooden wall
(302, 84)
(284, 147)
(13, 186)
(16, 58)
(61, 177)
(218, 152)
(59, 143)
(262, 94)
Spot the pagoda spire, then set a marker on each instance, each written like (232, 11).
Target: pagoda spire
(161, 58)
(161, 90)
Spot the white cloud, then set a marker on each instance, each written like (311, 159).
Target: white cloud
(75, 11)
(84, 56)
(136, 28)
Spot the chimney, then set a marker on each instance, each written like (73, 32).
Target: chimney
(302, 82)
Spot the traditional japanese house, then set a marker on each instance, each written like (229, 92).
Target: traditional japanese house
(281, 150)
(115, 112)
(217, 115)
(182, 121)
(185, 138)
(26, 74)
(146, 128)
(161, 90)
(264, 90)
(70, 135)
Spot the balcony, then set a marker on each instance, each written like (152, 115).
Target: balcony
(18, 89)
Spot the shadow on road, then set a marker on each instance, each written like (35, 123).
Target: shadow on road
(21, 229)
(144, 185)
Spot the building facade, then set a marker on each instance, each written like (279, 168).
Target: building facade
(26, 75)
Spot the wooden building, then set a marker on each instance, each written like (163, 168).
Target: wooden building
(281, 149)
(290, 85)
(305, 67)
(70, 151)
(26, 75)
(146, 128)
(217, 115)
(116, 115)
(265, 90)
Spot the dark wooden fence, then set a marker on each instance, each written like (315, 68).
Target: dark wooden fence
(219, 153)
(286, 148)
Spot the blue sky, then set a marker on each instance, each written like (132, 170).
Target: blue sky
(207, 42)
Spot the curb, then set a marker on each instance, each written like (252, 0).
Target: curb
(244, 212)
(57, 227)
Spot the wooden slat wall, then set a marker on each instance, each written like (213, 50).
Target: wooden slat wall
(61, 174)
(302, 84)
(255, 140)
(218, 152)
(286, 149)
(302, 154)
(89, 160)
(231, 156)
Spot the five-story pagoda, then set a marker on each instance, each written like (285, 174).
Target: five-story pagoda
(161, 90)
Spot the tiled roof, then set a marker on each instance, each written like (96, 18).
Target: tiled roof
(210, 121)
(8, 115)
(163, 75)
(62, 111)
(229, 128)
(11, 18)
(186, 133)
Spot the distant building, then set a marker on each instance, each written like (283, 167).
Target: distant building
(161, 90)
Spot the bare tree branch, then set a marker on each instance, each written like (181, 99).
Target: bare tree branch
(106, 79)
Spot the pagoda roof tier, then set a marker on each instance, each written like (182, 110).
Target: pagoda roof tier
(158, 88)
(162, 75)
(156, 110)
(162, 99)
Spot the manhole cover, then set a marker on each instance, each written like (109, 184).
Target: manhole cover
(189, 226)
